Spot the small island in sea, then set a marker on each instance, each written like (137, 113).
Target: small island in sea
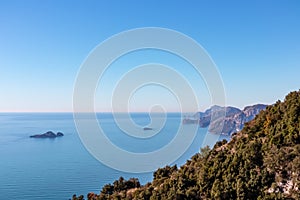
(48, 134)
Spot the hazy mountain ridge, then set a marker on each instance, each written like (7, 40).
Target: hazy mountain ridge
(234, 118)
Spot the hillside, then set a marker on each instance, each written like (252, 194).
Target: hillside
(260, 162)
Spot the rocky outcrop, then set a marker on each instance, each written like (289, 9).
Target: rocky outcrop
(225, 120)
(48, 134)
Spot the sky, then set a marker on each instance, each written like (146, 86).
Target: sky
(254, 44)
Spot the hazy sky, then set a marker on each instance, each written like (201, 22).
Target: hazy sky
(255, 45)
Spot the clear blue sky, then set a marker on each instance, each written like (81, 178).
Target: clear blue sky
(255, 45)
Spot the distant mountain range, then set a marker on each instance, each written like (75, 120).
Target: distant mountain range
(230, 118)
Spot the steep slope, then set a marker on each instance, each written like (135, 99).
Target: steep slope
(260, 162)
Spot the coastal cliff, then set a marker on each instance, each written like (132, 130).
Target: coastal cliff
(232, 119)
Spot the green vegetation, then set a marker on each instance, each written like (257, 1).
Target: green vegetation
(260, 162)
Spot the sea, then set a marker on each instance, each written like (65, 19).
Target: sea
(57, 168)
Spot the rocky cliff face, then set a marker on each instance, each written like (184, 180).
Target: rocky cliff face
(227, 120)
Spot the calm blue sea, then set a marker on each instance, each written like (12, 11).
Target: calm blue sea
(57, 168)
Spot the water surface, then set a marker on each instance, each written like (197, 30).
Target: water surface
(32, 168)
